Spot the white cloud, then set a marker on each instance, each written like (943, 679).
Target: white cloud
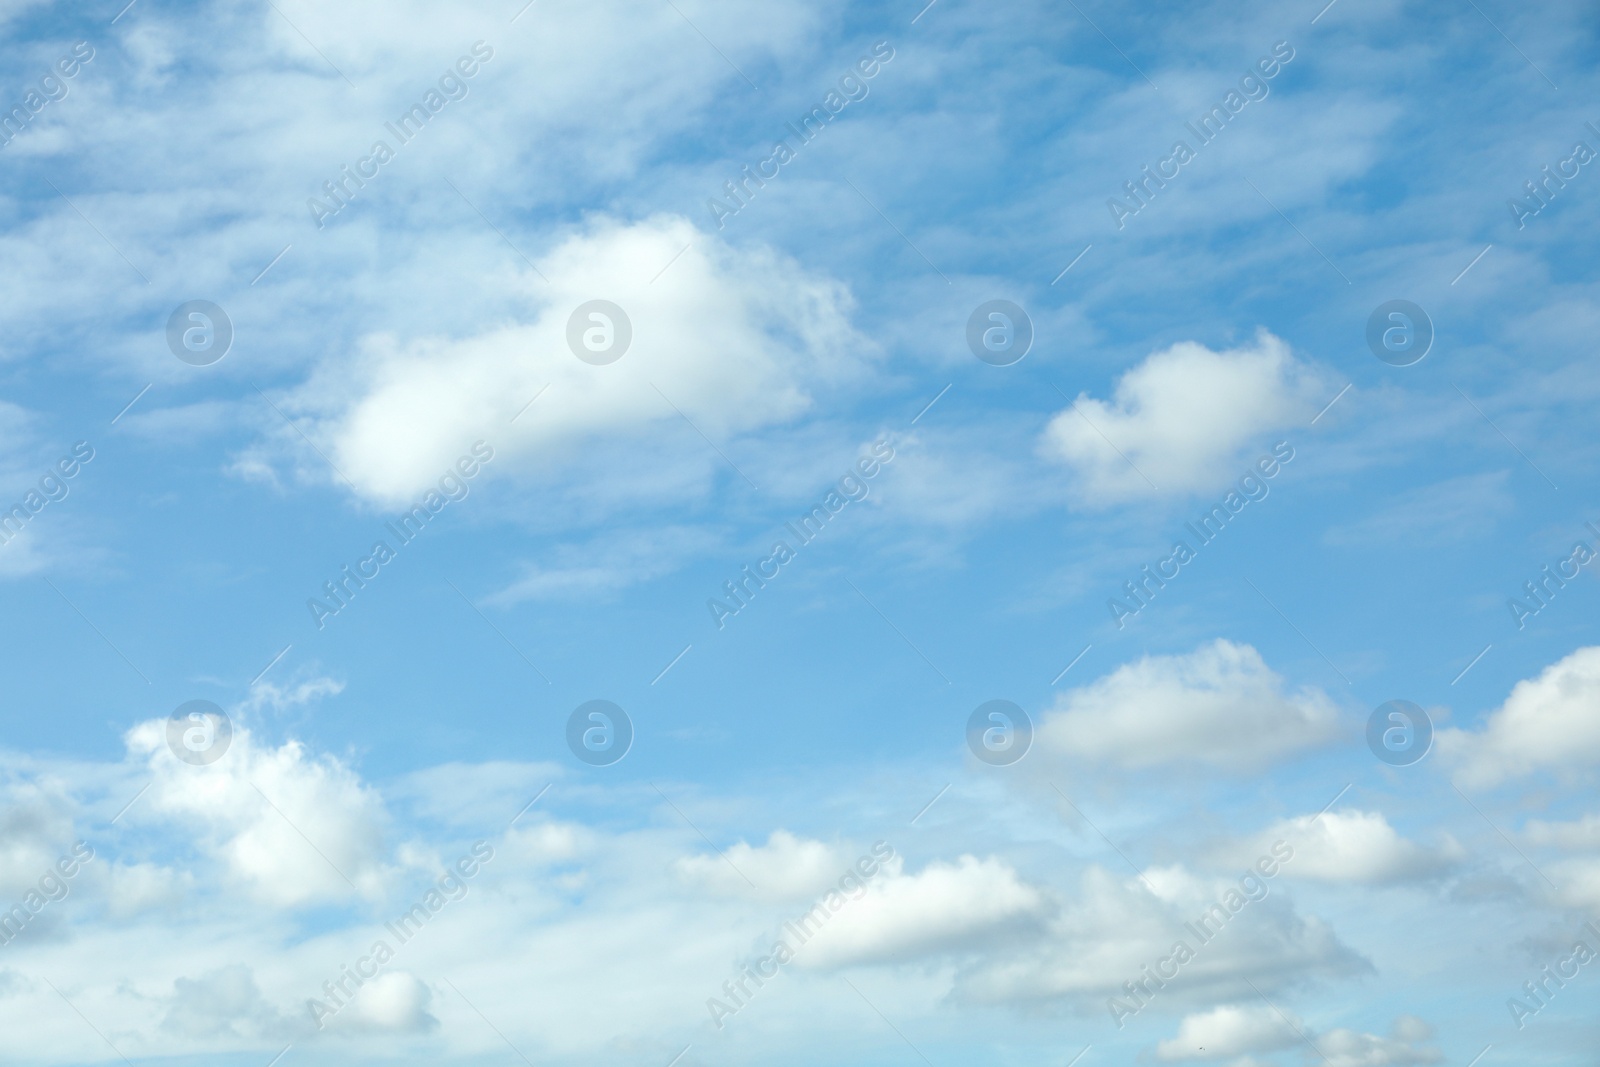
(1219, 705)
(289, 828)
(942, 907)
(134, 888)
(1229, 1031)
(1575, 836)
(35, 831)
(577, 912)
(785, 868)
(1108, 929)
(1547, 724)
(1577, 882)
(266, 694)
(224, 1003)
(730, 339)
(1352, 1048)
(1185, 418)
(394, 1002)
(1357, 847)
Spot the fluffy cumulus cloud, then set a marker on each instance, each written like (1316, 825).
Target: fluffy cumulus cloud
(396, 1002)
(35, 831)
(727, 339)
(1106, 931)
(1356, 847)
(1184, 420)
(1546, 725)
(943, 907)
(288, 828)
(1220, 705)
(223, 1003)
(785, 868)
(219, 944)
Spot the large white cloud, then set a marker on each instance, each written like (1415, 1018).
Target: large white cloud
(728, 339)
(1184, 419)
(1220, 705)
(1547, 724)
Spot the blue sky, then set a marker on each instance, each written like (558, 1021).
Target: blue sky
(772, 350)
